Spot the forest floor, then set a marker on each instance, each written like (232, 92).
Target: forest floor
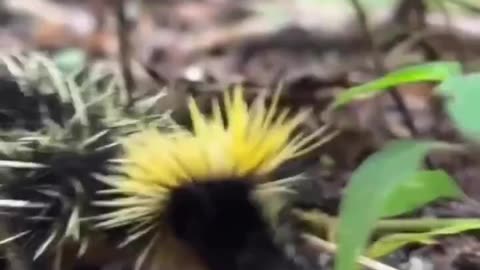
(314, 49)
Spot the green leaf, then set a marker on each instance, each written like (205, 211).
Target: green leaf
(433, 71)
(390, 243)
(462, 102)
(419, 189)
(369, 189)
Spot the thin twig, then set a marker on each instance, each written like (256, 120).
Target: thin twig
(461, 48)
(411, 13)
(380, 69)
(332, 249)
(124, 28)
(411, 17)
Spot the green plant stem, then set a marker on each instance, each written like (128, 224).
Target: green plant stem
(418, 225)
(321, 223)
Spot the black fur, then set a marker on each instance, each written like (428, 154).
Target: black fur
(19, 110)
(221, 223)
